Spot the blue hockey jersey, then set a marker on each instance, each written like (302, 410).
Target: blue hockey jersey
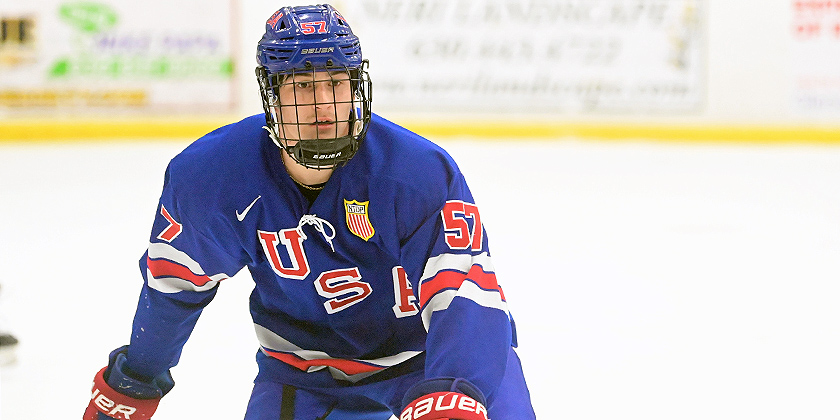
(388, 267)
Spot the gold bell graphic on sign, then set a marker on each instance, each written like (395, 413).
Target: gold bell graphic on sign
(357, 218)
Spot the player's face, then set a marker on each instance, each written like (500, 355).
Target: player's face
(315, 105)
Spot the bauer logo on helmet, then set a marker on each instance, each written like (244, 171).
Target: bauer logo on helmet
(322, 50)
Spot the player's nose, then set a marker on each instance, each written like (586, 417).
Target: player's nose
(324, 94)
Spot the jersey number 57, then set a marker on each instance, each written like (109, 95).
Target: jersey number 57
(460, 234)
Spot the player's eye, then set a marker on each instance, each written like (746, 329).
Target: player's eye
(303, 85)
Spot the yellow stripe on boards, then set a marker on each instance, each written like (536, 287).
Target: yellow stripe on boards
(610, 131)
(27, 131)
(85, 130)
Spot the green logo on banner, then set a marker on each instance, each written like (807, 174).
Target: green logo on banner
(88, 17)
(103, 51)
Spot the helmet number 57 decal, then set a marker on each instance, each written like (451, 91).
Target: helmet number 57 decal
(309, 28)
(459, 234)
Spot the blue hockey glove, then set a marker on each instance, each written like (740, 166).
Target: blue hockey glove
(135, 400)
(444, 398)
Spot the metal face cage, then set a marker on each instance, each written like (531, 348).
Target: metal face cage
(319, 115)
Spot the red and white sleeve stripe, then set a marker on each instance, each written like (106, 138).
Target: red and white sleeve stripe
(447, 276)
(170, 270)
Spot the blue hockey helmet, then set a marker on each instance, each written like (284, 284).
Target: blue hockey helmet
(305, 40)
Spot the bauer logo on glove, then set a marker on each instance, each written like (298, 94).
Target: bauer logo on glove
(444, 405)
(107, 405)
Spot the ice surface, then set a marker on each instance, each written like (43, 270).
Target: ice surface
(648, 280)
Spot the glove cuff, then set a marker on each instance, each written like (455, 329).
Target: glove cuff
(119, 376)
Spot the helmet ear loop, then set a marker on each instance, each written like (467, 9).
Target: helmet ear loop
(358, 110)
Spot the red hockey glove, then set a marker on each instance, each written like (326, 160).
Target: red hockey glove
(444, 398)
(136, 400)
(105, 400)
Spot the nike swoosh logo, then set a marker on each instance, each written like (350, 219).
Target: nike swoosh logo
(241, 216)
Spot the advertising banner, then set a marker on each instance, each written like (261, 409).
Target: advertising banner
(815, 57)
(112, 56)
(534, 55)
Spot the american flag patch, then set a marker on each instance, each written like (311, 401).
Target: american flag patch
(357, 218)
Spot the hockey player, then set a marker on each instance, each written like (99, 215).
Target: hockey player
(375, 293)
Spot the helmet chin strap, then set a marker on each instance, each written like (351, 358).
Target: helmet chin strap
(296, 151)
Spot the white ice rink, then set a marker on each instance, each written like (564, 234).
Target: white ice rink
(649, 281)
